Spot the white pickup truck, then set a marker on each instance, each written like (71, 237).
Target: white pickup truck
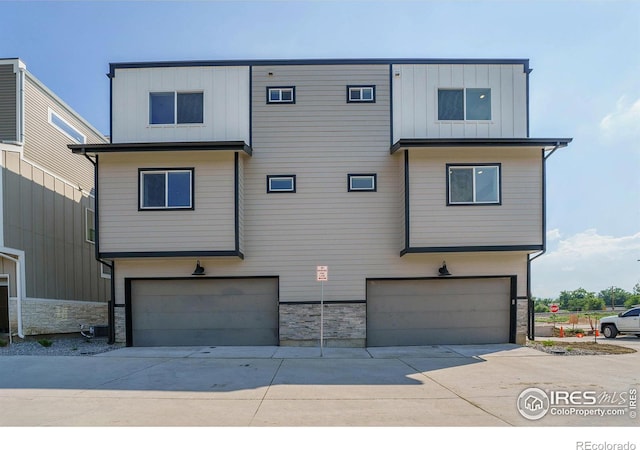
(627, 322)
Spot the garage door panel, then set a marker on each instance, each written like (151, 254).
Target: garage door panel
(438, 311)
(204, 337)
(205, 312)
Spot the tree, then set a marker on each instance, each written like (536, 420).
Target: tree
(579, 300)
(614, 296)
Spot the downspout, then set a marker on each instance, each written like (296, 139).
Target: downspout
(112, 299)
(20, 281)
(531, 315)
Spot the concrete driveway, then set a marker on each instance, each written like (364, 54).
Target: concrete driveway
(291, 386)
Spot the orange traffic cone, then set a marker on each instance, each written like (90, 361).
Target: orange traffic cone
(561, 331)
(597, 333)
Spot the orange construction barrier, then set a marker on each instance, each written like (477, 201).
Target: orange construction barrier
(561, 331)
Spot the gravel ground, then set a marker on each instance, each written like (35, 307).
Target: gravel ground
(61, 345)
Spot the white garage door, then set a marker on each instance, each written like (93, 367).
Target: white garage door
(204, 312)
(438, 311)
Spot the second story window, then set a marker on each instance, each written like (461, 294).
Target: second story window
(361, 94)
(167, 108)
(361, 182)
(281, 183)
(281, 94)
(166, 189)
(473, 185)
(464, 104)
(66, 128)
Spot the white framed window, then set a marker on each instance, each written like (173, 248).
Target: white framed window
(105, 271)
(282, 94)
(464, 104)
(66, 128)
(165, 189)
(366, 182)
(473, 184)
(281, 183)
(176, 108)
(361, 94)
(90, 225)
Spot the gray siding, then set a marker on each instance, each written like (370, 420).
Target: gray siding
(7, 103)
(46, 145)
(517, 221)
(209, 226)
(44, 217)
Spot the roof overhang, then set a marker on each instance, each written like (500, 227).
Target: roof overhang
(433, 143)
(94, 149)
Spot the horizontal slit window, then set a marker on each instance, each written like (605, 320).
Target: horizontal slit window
(281, 94)
(362, 182)
(281, 183)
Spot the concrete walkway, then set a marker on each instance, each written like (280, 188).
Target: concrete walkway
(292, 386)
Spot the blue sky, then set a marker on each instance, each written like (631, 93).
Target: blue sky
(585, 57)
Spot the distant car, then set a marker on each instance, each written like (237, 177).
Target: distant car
(627, 322)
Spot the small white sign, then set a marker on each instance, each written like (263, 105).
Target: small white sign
(322, 273)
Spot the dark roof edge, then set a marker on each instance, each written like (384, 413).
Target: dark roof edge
(280, 62)
(480, 142)
(236, 146)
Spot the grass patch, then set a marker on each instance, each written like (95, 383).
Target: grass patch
(3, 343)
(45, 342)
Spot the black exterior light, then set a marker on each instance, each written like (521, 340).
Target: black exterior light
(199, 270)
(443, 270)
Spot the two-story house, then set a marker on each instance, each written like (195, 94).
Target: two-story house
(227, 183)
(50, 281)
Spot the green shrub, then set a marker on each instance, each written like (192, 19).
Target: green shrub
(3, 343)
(548, 343)
(45, 342)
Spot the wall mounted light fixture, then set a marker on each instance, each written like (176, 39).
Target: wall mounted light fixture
(199, 270)
(443, 271)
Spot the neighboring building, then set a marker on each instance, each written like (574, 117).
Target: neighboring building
(50, 281)
(226, 184)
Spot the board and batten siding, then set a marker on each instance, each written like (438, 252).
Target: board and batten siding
(8, 98)
(517, 221)
(45, 217)
(46, 145)
(225, 96)
(209, 226)
(415, 100)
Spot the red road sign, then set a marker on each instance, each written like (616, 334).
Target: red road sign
(554, 308)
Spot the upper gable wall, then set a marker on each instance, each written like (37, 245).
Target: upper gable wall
(226, 103)
(415, 100)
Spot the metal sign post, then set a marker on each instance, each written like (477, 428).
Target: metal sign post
(322, 275)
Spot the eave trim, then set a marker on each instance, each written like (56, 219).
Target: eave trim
(473, 249)
(93, 149)
(479, 142)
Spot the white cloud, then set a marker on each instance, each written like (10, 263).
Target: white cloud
(587, 260)
(553, 235)
(624, 122)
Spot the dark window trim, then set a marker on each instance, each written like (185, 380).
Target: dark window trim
(286, 102)
(175, 108)
(356, 86)
(271, 191)
(464, 105)
(375, 182)
(472, 166)
(167, 169)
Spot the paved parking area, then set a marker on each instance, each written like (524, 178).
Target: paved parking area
(292, 386)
